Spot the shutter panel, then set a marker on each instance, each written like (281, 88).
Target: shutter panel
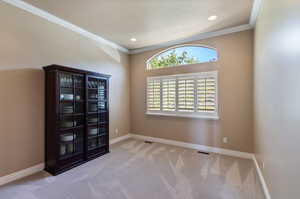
(169, 94)
(206, 94)
(153, 95)
(186, 94)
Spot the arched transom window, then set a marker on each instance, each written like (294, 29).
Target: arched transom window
(182, 55)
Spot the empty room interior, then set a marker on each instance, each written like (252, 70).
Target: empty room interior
(137, 99)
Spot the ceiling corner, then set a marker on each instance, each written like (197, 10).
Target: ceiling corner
(257, 4)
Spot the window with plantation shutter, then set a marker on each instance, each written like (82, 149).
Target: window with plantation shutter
(184, 95)
(154, 95)
(206, 92)
(169, 94)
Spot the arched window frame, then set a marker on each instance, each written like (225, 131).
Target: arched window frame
(148, 66)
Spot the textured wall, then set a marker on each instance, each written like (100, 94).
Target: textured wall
(27, 43)
(277, 96)
(235, 68)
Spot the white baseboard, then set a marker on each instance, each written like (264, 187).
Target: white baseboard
(119, 139)
(195, 146)
(21, 174)
(29, 171)
(261, 178)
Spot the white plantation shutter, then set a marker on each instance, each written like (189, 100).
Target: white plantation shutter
(153, 95)
(169, 94)
(206, 94)
(187, 95)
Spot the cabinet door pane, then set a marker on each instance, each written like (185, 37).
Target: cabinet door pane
(71, 143)
(98, 115)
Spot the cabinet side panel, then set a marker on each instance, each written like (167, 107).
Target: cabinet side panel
(50, 142)
(107, 105)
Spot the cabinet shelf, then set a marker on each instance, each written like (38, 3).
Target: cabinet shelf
(97, 100)
(76, 141)
(93, 113)
(72, 114)
(97, 89)
(71, 101)
(72, 128)
(71, 87)
(96, 147)
(67, 156)
(96, 136)
(93, 100)
(68, 84)
(96, 123)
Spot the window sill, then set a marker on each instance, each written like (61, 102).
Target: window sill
(205, 117)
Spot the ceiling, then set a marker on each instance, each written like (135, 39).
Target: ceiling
(151, 22)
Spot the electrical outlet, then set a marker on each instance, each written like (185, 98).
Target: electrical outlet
(117, 131)
(225, 140)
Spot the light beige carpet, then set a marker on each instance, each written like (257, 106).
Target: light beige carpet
(136, 170)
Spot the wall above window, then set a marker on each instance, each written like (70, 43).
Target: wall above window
(182, 55)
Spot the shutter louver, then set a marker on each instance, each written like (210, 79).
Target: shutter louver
(206, 94)
(186, 95)
(153, 95)
(169, 94)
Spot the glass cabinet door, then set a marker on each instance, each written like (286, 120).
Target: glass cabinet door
(71, 143)
(71, 115)
(97, 113)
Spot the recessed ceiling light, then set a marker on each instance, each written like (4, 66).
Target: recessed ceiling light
(133, 39)
(212, 18)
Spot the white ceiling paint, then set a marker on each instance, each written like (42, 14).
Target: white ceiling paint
(194, 38)
(138, 25)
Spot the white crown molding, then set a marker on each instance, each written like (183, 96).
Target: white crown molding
(261, 179)
(194, 38)
(195, 146)
(257, 4)
(41, 13)
(21, 174)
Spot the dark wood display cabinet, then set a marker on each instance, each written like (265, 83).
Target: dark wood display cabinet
(77, 117)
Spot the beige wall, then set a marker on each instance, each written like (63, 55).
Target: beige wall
(235, 97)
(277, 96)
(27, 43)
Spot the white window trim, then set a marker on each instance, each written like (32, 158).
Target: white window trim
(201, 115)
